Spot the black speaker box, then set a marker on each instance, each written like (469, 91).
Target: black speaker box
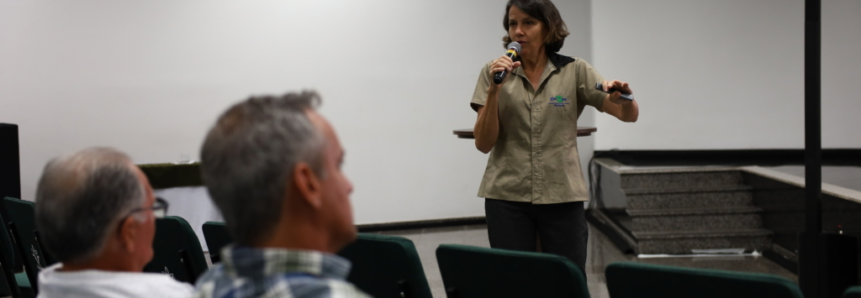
(10, 164)
(838, 262)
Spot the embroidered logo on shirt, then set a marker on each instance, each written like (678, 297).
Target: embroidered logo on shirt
(558, 101)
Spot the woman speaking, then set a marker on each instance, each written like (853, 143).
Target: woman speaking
(533, 186)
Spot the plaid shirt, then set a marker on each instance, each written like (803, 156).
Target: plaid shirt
(251, 272)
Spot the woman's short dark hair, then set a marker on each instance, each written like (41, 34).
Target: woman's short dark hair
(546, 12)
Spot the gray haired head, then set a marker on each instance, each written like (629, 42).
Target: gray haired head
(80, 199)
(249, 155)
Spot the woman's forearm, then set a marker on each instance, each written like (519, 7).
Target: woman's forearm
(630, 111)
(486, 128)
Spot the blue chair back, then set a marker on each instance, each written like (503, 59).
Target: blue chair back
(628, 280)
(177, 250)
(472, 272)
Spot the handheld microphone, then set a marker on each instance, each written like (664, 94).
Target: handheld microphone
(512, 52)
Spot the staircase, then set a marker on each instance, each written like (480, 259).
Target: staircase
(676, 210)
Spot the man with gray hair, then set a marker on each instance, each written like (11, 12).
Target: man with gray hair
(272, 165)
(95, 211)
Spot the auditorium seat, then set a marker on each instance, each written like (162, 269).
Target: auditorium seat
(216, 236)
(176, 250)
(22, 224)
(472, 272)
(852, 292)
(15, 285)
(629, 280)
(382, 266)
(386, 267)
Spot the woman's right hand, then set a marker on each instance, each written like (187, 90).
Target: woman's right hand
(500, 64)
(486, 128)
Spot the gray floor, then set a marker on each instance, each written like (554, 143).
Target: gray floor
(600, 253)
(843, 176)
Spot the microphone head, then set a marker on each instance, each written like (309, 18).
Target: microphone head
(514, 46)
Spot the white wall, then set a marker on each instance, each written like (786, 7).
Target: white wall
(841, 75)
(150, 77)
(726, 74)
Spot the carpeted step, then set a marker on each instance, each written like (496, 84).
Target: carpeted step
(695, 219)
(680, 179)
(682, 242)
(679, 198)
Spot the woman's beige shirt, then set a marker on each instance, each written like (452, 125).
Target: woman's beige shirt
(535, 158)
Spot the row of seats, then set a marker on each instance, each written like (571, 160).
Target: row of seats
(20, 247)
(389, 266)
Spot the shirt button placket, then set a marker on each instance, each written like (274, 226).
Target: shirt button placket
(536, 149)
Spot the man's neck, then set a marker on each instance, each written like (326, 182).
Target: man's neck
(103, 263)
(299, 236)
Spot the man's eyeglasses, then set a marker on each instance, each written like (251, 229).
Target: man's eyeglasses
(159, 208)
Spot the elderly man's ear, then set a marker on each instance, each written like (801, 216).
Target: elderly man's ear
(129, 231)
(308, 184)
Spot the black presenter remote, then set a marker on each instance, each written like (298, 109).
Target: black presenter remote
(624, 95)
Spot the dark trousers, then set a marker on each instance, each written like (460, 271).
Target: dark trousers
(561, 228)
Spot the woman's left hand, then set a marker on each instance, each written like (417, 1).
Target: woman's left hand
(614, 104)
(615, 97)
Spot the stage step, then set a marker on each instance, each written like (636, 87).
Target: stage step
(674, 210)
(695, 219)
(682, 242)
(689, 197)
(687, 178)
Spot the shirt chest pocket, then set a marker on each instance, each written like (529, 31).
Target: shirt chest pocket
(561, 107)
(515, 107)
